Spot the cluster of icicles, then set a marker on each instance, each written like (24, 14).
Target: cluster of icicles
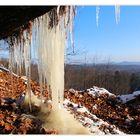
(48, 43)
(117, 14)
(46, 39)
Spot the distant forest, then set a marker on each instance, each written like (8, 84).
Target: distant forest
(110, 77)
(115, 78)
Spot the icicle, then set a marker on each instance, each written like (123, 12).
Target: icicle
(50, 49)
(40, 65)
(71, 16)
(97, 15)
(58, 9)
(117, 13)
(17, 56)
(51, 43)
(49, 39)
(21, 45)
(11, 65)
(27, 62)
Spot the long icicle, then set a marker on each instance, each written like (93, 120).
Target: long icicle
(11, 66)
(97, 15)
(117, 13)
(27, 63)
(50, 44)
(51, 37)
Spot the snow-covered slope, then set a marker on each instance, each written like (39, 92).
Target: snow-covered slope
(92, 122)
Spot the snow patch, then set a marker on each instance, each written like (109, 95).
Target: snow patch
(82, 109)
(91, 121)
(72, 90)
(128, 97)
(3, 69)
(96, 91)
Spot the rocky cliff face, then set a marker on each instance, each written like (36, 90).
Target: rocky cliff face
(13, 17)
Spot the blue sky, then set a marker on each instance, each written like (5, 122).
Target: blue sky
(108, 41)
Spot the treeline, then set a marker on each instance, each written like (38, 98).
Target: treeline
(117, 82)
(81, 77)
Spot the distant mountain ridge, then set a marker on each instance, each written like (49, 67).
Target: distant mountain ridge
(111, 63)
(124, 66)
(127, 63)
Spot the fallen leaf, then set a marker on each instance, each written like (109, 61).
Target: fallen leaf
(2, 123)
(8, 119)
(1, 116)
(8, 127)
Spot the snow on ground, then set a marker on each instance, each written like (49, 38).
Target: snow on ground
(92, 122)
(128, 97)
(96, 91)
(6, 70)
(3, 69)
(72, 90)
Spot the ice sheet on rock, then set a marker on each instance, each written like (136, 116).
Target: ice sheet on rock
(128, 97)
(35, 100)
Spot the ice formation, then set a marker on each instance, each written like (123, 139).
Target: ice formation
(117, 14)
(20, 57)
(49, 46)
(49, 38)
(47, 35)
